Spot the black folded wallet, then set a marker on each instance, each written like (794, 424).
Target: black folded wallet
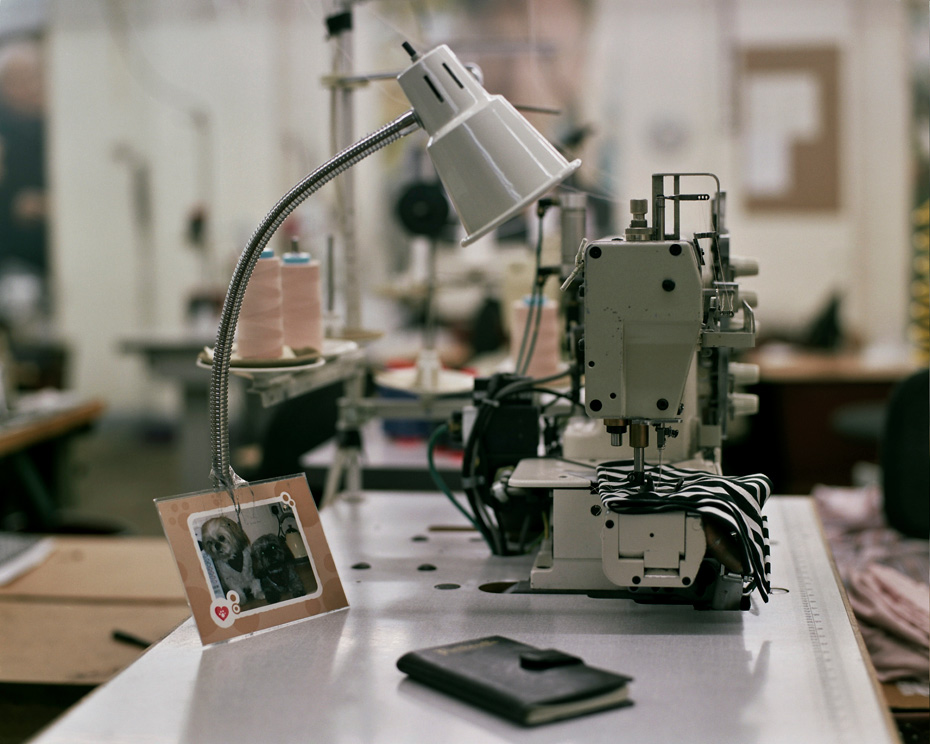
(517, 681)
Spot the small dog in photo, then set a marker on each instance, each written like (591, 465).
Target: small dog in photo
(228, 546)
(272, 563)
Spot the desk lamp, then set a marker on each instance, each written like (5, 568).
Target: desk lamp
(490, 159)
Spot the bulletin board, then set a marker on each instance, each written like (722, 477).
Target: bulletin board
(790, 122)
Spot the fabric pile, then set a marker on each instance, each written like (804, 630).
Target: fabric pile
(887, 579)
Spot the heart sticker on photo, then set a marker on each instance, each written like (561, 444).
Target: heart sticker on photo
(223, 612)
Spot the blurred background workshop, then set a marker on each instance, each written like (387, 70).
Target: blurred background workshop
(142, 141)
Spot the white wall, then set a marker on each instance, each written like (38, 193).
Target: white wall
(663, 79)
(862, 250)
(659, 88)
(134, 86)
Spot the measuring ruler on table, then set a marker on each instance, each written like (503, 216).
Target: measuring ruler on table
(851, 700)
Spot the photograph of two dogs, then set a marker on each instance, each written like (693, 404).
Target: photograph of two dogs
(261, 570)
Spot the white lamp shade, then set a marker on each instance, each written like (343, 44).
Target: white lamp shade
(490, 159)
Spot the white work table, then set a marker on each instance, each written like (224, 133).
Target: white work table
(788, 671)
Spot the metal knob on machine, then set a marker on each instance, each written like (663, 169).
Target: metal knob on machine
(743, 404)
(744, 374)
(744, 266)
(639, 228)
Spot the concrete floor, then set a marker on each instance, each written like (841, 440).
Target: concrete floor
(112, 474)
(118, 468)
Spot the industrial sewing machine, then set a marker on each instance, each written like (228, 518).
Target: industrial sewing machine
(655, 318)
(649, 329)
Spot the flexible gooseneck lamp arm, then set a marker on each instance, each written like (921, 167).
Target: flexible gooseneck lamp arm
(222, 472)
(492, 162)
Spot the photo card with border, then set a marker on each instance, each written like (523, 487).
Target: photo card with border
(253, 564)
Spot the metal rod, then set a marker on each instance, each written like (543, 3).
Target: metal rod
(222, 471)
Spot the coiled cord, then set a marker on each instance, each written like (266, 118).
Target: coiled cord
(222, 471)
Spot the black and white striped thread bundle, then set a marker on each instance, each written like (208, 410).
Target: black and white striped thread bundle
(737, 500)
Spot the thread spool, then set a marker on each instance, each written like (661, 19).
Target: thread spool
(303, 308)
(260, 331)
(546, 357)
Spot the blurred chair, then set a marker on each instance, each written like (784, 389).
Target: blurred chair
(905, 456)
(294, 427)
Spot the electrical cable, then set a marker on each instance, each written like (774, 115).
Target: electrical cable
(524, 531)
(534, 315)
(556, 395)
(478, 504)
(522, 363)
(471, 484)
(518, 385)
(441, 484)
(537, 311)
(472, 457)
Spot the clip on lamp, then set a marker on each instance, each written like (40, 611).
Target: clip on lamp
(490, 159)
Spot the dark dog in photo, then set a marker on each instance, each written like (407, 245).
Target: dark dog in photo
(273, 565)
(228, 546)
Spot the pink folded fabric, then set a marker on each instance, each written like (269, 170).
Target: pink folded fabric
(887, 578)
(893, 659)
(894, 615)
